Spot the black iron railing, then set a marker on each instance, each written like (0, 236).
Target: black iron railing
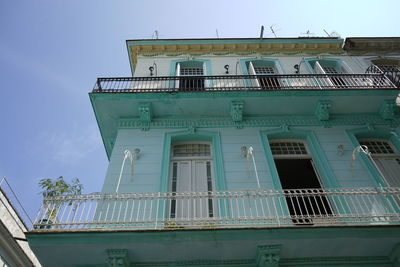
(390, 71)
(171, 84)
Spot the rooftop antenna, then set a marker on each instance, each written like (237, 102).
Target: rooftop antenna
(308, 33)
(335, 34)
(262, 32)
(155, 35)
(332, 34)
(274, 30)
(216, 31)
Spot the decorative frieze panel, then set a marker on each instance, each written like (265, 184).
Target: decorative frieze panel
(267, 121)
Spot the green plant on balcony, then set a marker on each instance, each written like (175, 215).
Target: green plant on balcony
(57, 187)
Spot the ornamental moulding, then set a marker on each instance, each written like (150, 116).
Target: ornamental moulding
(247, 54)
(135, 50)
(267, 121)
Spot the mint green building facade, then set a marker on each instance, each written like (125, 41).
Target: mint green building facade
(241, 152)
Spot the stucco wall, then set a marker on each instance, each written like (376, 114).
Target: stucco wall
(239, 173)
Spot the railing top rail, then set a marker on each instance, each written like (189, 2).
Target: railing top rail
(306, 75)
(264, 82)
(152, 195)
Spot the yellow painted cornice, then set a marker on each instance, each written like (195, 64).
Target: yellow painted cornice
(215, 48)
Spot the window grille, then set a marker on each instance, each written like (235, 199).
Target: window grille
(264, 70)
(191, 72)
(288, 148)
(329, 70)
(377, 146)
(191, 150)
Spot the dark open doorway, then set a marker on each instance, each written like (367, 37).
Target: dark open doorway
(303, 192)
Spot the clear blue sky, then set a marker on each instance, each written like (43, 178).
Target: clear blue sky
(51, 53)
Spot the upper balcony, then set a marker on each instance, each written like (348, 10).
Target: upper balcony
(226, 83)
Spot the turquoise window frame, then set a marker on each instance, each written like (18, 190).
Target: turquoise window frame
(245, 71)
(172, 68)
(186, 136)
(328, 178)
(335, 62)
(365, 132)
(244, 61)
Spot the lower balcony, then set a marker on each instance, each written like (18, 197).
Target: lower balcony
(220, 210)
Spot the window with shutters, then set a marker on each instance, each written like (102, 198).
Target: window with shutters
(332, 68)
(190, 73)
(265, 71)
(386, 157)
(191, 172)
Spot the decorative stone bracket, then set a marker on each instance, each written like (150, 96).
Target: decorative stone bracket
(268, 256)
(145, 112)
(117, 257)
(322, 110)
(145, 115)
(237, 111)
(387, 109)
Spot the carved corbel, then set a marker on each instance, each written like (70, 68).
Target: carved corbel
(145, 112)
(322, 110)
(145, 115)
(387, 109)
(117, 257)
(268, 256)
(237, 111)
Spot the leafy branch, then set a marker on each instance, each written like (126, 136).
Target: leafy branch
(59, 187)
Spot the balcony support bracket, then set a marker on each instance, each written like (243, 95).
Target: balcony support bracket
(322, 110)
(237, 112)
(268, 256)
(145, 115)
(117, 258)
(387, 109)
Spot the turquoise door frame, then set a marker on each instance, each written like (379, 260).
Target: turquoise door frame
(198, 135)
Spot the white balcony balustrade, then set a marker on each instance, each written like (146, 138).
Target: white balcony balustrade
(220, 209)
